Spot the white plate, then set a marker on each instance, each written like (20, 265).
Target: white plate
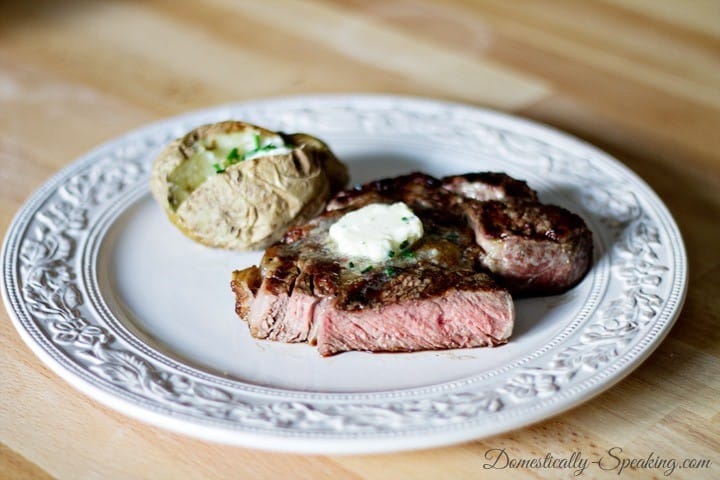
(121, 305)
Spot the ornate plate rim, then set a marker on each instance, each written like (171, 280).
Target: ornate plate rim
(282, 438)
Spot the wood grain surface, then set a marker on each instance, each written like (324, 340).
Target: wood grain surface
(638, 78)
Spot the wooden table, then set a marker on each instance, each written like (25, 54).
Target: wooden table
(638, 78)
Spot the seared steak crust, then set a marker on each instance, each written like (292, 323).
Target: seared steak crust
(437, 294)
(489, 186)
(416, 189)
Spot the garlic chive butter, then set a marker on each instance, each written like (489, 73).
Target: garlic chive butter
(376, 232)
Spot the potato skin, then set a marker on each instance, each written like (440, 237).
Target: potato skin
(252, 203)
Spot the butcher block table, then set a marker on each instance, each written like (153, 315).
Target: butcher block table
(638, 78)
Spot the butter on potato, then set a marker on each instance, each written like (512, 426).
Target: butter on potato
(238, 186)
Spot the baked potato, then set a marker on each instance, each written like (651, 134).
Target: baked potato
(238, 186)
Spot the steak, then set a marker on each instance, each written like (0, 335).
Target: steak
(529, 247)
(485, 235)
(430, 296)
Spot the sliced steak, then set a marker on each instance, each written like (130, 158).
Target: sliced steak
(262, 295)
(416, 309)
(431, 296)
(440, 293)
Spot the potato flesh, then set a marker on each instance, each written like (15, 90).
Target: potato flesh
(214, 150)
(188, 176)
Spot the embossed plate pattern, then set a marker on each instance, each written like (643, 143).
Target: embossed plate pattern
(87, 254)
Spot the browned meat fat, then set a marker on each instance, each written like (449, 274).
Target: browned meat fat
(485, 186)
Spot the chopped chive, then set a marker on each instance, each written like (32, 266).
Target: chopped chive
(366, 269)
(234, 154)
(257, 141)
(405, 219)
(408, 254)
(351, 265)
(390, 271)
(266, 148)
(404, 244)
(218, 168)
(391, 253)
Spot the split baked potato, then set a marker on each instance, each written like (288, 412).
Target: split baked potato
(238, 186)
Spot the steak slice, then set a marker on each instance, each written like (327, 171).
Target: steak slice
(262, 295)
(416, 309)
(531, 248)
(431, 296)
